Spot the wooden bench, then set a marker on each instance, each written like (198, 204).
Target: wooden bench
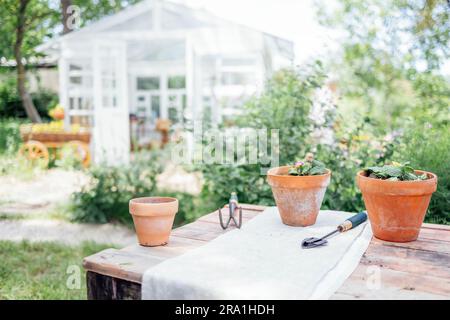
(415, 270)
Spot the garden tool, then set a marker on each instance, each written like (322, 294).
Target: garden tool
(233, 207)
(348, 224)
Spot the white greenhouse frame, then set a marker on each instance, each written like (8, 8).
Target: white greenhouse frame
(159, 59)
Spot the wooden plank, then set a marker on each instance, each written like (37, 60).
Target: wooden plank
(100, 287)
(251, 207)
(415, 270)
(131, 262)
(175, 246)
(120, 264)
(361, 284)
(436, 226)
(413, 261)
(434, 234)
(213, 217)
(351, 290)
(419, 244)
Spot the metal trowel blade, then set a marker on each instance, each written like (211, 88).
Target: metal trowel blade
(309, 243)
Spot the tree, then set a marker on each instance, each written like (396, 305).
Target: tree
(390, 48)
(65, 6)
(21, 30)
(25, 24)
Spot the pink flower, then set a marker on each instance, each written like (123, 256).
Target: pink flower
(298, 164)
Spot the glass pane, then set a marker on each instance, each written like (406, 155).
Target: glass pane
(74, 67)
(236, 78)
(155, 107)
(184, 101)
(176, 82)
(238, 61)
(75, 80)
(156, 50)
(173, 114)
(147, 83)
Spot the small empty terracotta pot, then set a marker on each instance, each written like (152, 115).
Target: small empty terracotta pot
(153, 219)
(396, 209)
(298, 198)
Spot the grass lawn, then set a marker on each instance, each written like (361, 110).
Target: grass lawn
(39, 270)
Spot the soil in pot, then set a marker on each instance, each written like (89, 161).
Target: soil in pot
(298, 198)
(396, 209)
(153, 219)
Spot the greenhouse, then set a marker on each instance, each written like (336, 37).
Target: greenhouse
(154, 61)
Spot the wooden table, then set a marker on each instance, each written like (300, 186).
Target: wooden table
(415, 270)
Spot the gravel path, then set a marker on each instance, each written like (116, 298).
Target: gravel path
(65, 232)
(25, 204)
(41, 194)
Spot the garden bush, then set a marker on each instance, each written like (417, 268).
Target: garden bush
(428, 148)
(105, 198)
(11, 104)
(284, 105)
(9, 135)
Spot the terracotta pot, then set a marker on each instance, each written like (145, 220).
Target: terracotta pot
(153, 219)
(298, 198)
(396, 209)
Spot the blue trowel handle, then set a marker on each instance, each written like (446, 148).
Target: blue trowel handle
(353, 222)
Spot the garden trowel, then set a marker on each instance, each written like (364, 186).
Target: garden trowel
(348, 224)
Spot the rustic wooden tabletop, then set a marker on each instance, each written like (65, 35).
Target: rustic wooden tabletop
(387, 270)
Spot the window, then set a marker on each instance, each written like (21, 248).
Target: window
(176, 82)
(155, 107)
(237, 78)
(147, 83)
(75, 80)
(173, 114)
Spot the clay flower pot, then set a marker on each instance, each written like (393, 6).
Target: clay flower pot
(396, 209)
(153, 219)
(298, 198)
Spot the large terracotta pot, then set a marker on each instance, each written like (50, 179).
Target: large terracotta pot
(298, 198)
(153, 219)
(396, 209)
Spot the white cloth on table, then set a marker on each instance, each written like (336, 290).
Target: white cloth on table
(262, 260)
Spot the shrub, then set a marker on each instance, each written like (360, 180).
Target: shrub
(105, 198)
(428, 149)
(284, 105)
(9, 135)
(11, 104)
(352, 152)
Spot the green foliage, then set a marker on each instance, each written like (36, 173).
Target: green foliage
(39, 270)
(68, 159)
(352, 152)
(383, 69)
(190, 207)
(11, 104)
(105, 198)
(40, 17)
(394, 172)
(43, 21)
(308, 167)
(9, 135)
(428, 148)
(284, 105)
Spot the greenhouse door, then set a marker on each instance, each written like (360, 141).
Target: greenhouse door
(111, 115)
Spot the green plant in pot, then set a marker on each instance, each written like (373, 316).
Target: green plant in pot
(299, 190)
(396, 198)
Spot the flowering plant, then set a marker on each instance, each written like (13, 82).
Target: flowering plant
(394, 172)
(308, 167)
